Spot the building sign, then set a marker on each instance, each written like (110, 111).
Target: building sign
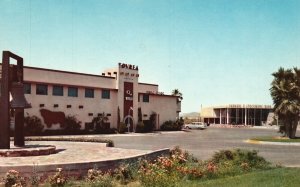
(128, 66)
(128, 104)
(250, 106)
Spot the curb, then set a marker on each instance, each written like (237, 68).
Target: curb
(272, 143)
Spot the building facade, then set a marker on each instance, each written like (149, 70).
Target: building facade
(240, 114)
(116, 93)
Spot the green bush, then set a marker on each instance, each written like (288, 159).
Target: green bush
(12, 178)
(96, 178)
(58, 179)
(101, 126)
(33, 125)
(126, 173)
(172, 126)
(71, 125)
(122, 128)
(231, 162)
(140, 127)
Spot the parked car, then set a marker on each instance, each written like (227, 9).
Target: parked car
(195, 125)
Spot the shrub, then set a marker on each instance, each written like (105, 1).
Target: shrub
(58, 179)
(172, 126)
(33, 125)
(122, 128)
(140, 127)
(125, 173)
(101, 126)
(230, 162)
(71, 125)
(169, 171)
(12, 178)
(97, 178)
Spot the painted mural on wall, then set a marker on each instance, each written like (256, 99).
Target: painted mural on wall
(51, 117)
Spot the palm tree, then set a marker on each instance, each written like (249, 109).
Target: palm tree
(285, 92)
(176, 92)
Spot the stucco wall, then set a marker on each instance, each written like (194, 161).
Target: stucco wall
(143, 88)
(164, 106)
(56, 77)
(90, 105)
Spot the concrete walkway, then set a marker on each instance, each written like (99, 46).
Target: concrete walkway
(75, 156)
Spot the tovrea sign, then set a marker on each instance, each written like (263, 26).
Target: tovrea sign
(128, 66)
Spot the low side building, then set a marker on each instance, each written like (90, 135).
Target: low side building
(116, 93)
(236, 114)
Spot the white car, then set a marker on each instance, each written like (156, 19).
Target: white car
(195, 125)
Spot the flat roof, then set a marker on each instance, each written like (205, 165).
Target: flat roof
(243, 106)
(69, 72)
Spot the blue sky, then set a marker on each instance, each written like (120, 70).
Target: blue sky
(214, 51)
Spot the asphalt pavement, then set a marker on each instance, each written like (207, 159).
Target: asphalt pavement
(204, 143)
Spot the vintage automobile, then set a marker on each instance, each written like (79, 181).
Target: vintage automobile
(195, 125)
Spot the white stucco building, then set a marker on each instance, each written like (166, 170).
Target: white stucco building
(245, 114)
(87, 96)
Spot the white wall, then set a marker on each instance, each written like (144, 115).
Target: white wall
(56, 77)
(144, 88)
(90, 105)
(164, 106)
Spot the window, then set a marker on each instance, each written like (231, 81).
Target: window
(89, 93)
(105, 94)
(41, 89)
(72, 92)
(145, 98)
(27, 88)
(58, 90)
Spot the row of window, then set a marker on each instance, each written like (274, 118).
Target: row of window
(42, 89)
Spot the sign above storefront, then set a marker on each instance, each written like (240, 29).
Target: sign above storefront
(128, 66)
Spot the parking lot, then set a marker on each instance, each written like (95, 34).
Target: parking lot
(203, 143)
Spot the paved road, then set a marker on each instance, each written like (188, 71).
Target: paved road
(203, 143)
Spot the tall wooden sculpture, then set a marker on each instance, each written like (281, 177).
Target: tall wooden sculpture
(12, 82)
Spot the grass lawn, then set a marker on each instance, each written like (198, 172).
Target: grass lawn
(280, 177)
(277, 139)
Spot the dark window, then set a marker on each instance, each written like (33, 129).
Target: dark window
(105, 94)
(72, 92)
(146, 98)
(58, 90)
(27, 88)
(90, 114)
(89, 93)
(41, 89)
(55, 105)
(80, 106)
(42, 105)
(69, 106)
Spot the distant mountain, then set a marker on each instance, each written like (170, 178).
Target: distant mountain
(191, 115)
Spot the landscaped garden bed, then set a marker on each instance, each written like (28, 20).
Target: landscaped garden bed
(178, 169)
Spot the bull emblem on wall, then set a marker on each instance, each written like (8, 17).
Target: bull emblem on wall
(51, 117)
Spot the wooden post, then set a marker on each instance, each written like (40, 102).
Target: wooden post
(4, 107)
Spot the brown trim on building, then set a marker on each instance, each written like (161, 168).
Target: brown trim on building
(159, 95)
(69, 72)
(70, 85)
(148, 84)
